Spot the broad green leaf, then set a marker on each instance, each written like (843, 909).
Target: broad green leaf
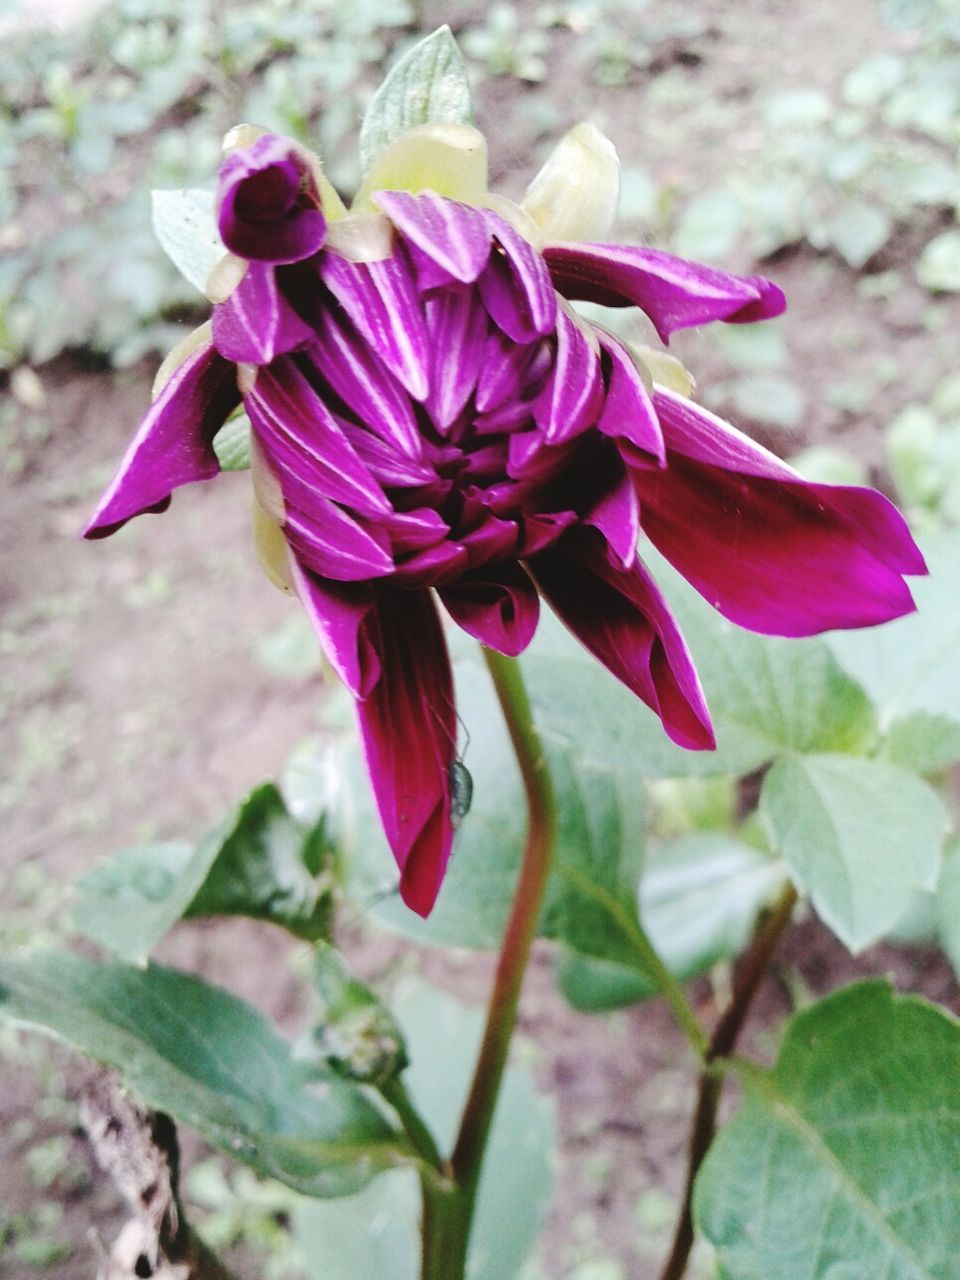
(212, 1062)
(948, 903)
(373, 1235)
(428, 85)
(185, 223)
(860, 836)
(911, 664)
(259, 863)
(699, 899)
(842, 1162)
(231, 444)
(922, 742)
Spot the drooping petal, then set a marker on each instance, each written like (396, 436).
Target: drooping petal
(337, 611)
(453, 238)
(673, 292)
(516, 288)
(408, 727)
(381, 299)
(622, 618)
(572, 398)
(769, 550)
(174, 445)
(268, 204)
(615, 511)
(497, 605)
(628, 412)
(257, 322)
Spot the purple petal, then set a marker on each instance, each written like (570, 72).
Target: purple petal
(414, 530)
(498, 606)
(443, 562)
(543, 529)
(257, 323)
(573, 396)
(337, 611)
(269, 208)
(328, 541)
(408, 726)
(673, 292)
(457, 328)
(306, 445)
(453, 237)
(516, 287)
(382, 300)
(385, 463)
(628, 412)
(624, 621)
(616, 512)
(769, 550)
(492, 539)
(174, 445)
(509, 369)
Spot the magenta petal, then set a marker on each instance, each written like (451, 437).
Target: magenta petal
(628, 411)
(174, 445)
(616, 514)
(516, 287)
(333, 544)
(543, 529)
(769, 550)
(573, 396)
(382, 300)
(457, 325)
(337, 611)
(257, 323)
(622, 618)
(443, 562)
(452, 236)
(408, 726)
(498, 605)
(269, 209)
(673, 292)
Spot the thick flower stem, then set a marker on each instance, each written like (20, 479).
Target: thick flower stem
(722, 1043)
(448, 1215)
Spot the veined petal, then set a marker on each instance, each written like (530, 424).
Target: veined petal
(769, 550)
(497, 605)
(516, 287)
(174, 445)
(441, 563)
(508, 369)
(386, 464)
(328, 541)
(673, 292)
(454, 237)
(414, 530)
(408, 726)
(304, 439)
(257, 323)
(628, 411)
(382, 300)
(457, 328)
(268, 203)
(624, 621)
(337, 611)
(572, 398)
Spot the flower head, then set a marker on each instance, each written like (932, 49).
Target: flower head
(431, 419)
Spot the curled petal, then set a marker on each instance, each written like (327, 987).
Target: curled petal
(269, 207)
(621, 617)
(457, 328)
(453, 239)
(573, 396)
(337, 611)
(673, 292)
(615, 511)
(516, 288)
(628, 413)
(257, 323)
(769, 550)
(174, 445)
(408, 727)
(575, 194)
(333, 544)
(497, 605)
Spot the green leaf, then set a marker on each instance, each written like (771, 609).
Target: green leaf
(709, 226)
(948, 903)
(911, 664)
(857, 231)
(922, 742)
(842, 1161)
(699, 899)
(938, 266)
(185, 223)
(428, 85)
(770, 398)
(860, 836)
(212, 1062)
(372, 1235)
(231, 444)
(258, 863)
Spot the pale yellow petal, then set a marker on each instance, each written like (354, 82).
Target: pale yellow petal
(450, 159)
(666, 371)
(176, 355)
(272, 550)
(575, 194)
(361, 237)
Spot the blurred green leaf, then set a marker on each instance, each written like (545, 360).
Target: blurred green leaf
(842, 1160)
(212, 1062)
(860, 836)
(872, 79)
(185, 224)
(948, 903)
(769, 398)
(709, 226)
(373, 1235)
(857, 231)
(259, 862)
(798, 108)
(938, 267)
(428, 85)
(828, 465)
(923, 742)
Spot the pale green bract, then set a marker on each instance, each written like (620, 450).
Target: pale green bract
(185, 224)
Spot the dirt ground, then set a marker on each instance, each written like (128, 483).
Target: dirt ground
(135, 702)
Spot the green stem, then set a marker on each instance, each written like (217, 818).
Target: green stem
(447, 1216)
(395, 1092)
(750, 973)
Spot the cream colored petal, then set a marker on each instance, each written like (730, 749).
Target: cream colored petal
(450, 159)
(242, 136)
(575, 194)
(666, 371)
(517, 218)
(176, 356)
(271, 548)
(225, 277)
(266, 486)
(361, 237)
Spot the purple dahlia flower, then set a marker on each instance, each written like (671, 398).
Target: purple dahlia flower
(431, 420)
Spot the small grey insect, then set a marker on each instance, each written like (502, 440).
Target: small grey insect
(461, 791)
